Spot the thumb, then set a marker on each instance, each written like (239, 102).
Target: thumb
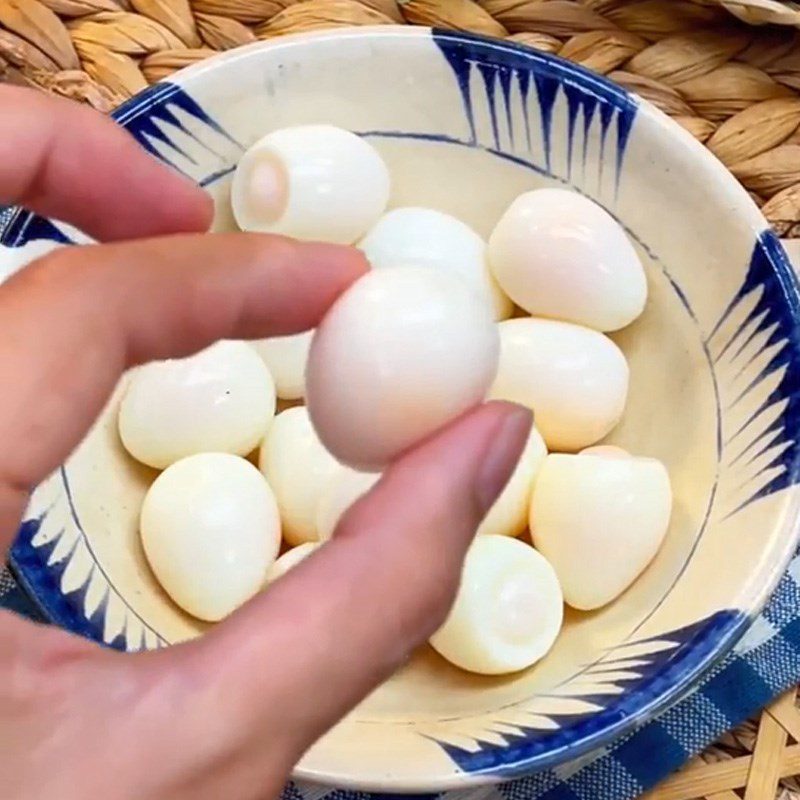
(319, 640)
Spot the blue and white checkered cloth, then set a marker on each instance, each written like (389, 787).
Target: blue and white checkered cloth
(764, 664)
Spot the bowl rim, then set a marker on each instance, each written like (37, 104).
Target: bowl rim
(655, 699)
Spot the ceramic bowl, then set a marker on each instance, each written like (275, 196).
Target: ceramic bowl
(465, 125)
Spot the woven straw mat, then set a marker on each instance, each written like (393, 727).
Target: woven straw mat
(727, 70)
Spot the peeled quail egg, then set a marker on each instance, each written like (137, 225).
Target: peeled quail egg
(508, 610)
(558, 254)
(291, 558)
(599, 520)
(423, 237)
(608, 450)
(575, 379)
(298, 467)
(210, 530)
(220, 399)
(509, 514)
(399, 354)
(310, 182)
(285, 357)
(343, 489)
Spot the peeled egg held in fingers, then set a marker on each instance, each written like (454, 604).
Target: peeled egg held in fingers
(508, 610)
(599, 520)
(573, 378)
(285, 357)
(315, 182)
(343, 489)
(560, 255)
(424, 237)
(220, 399)
(298, 467)
(509, 514)
(210, 530)
(398, 355)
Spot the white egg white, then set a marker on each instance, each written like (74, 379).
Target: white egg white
(298, 468)
(286, 357)
(210, 530)
(509, 514)
(424, 237)
(599, 519)
(574, 379)
(558, 254)
(220, 399)
(399, 354)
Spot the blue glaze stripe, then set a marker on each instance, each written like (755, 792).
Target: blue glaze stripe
(542, 747)
(772, 280)
(550, 75)
(144, 116)
(504, 76)
(489, 73)
(524, 81)
(27, 227)
(547, 90)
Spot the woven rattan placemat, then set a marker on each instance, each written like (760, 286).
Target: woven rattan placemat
(734, 85)
(728, 71)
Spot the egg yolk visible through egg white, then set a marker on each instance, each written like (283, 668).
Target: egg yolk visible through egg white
(508, 610)
(312, 182)
(266, 192)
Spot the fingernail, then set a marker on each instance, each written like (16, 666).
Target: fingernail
(502, 454)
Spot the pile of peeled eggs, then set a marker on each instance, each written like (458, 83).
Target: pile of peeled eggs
(441, 322)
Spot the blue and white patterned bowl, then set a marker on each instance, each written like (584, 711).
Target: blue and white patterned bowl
(465, 125)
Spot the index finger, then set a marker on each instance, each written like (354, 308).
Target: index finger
(63, 160)
(76, 319)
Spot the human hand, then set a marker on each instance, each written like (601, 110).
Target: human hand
(227, 715)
